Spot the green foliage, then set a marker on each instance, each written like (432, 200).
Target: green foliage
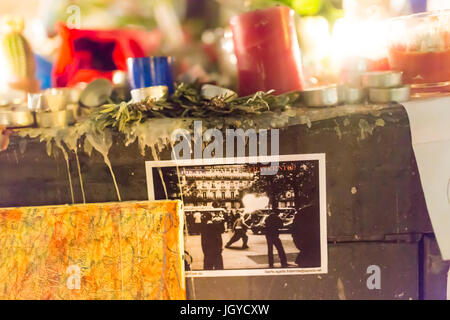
(330, 9)
(307, 7)
(187, 102)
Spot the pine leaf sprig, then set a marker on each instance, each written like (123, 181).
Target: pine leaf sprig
(188, 102)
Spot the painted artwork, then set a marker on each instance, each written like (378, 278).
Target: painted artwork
(110, 251)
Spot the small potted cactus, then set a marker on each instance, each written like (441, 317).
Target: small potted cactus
(18, 56)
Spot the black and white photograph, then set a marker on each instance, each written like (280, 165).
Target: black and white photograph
(246, 218)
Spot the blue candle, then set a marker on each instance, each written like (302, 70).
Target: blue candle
(151, 71)
(418, 5)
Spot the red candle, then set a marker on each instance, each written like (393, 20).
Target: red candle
(267, 51)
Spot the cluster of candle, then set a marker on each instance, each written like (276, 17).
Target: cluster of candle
(269, 57)
(375, 87)
(268, 54)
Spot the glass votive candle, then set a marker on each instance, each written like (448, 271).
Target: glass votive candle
(267, 51)
(419, 46)
(151, 71)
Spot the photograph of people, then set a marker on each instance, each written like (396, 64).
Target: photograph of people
(240, 219)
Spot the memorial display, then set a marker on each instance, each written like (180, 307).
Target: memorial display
(262, 149)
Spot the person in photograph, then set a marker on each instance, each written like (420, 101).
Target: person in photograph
(232, 218)
(190, 223)
(227, 217)
(212, 228)
(239, 232)
(197, 222)
(187, 261)
(273, 224)
(219, 216)
(306, 236)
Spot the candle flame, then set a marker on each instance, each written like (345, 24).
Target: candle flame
(358, 39)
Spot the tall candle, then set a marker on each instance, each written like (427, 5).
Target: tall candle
(267, 51)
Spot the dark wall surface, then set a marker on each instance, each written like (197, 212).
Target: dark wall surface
(375, 204)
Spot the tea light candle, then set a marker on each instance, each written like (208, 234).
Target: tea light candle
(382, 79)
(386, 95)
(210, 91)
(267, 51)
(50, 100)
(327, 96)
(155, 92)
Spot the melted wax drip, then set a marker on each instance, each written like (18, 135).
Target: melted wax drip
(155, 157)
(102, 143)
(80, 177)
(66, 157)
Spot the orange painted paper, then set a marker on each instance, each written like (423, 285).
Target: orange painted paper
(128, 250)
